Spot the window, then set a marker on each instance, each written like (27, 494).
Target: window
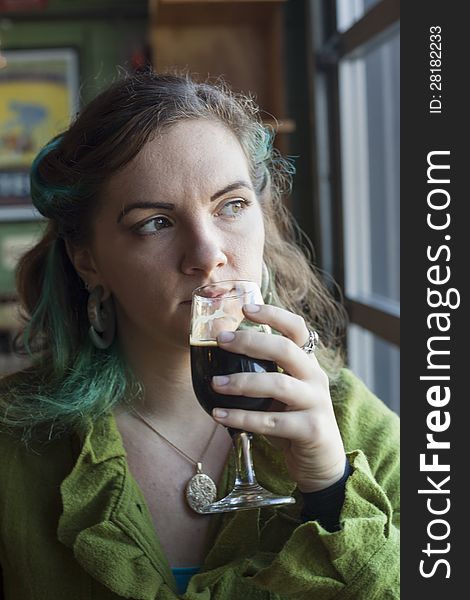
(350, 11)
(356, 83)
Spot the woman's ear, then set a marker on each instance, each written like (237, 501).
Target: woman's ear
(84, 264)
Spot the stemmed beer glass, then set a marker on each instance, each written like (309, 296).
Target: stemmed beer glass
(218, 307)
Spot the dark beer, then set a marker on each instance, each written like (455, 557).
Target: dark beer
(208, 360)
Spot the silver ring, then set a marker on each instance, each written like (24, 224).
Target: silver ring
(311, 344)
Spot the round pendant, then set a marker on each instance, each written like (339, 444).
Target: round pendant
(200, 491)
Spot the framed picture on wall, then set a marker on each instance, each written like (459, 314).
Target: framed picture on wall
(38, 98)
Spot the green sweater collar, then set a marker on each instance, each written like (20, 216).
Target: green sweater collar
(107, 524)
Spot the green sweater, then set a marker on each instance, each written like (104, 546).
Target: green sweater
(74, 524)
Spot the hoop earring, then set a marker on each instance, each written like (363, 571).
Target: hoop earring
(266, 291)
(102, 319)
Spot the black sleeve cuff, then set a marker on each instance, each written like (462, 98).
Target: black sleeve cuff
(325, 505)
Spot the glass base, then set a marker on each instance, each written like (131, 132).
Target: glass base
(245, 497)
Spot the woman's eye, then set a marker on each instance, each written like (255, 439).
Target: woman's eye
(152, 225)
(233, 208)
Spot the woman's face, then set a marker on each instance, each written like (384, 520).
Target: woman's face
(182, 214)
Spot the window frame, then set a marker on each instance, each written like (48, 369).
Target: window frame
(330, 46)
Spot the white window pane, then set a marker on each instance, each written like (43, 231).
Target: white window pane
(350, 11)
(370, 139)
(377, 363)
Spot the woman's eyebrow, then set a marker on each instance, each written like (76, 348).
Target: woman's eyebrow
(232, 186)
(127, 209)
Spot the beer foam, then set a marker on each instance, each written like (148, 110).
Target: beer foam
(205, 343)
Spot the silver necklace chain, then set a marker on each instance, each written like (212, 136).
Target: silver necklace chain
(196, 463)
(200, 490)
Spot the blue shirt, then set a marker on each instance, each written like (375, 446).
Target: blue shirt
(182, 577)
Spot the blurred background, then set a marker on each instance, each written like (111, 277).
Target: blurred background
(325, 73)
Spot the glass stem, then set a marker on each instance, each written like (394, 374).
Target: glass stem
(245, 474)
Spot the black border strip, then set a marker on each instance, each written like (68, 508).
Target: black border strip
(442, 562)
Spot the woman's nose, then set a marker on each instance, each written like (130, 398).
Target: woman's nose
(203, 252)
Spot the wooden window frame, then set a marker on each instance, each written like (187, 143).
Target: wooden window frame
(334, 47)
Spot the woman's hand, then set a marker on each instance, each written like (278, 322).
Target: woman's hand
(306, 424)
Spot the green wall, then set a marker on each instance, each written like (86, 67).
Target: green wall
(104, 32)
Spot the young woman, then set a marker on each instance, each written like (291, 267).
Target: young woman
(159, 186)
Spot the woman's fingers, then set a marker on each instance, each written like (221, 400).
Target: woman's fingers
(307, 426)
(293, 393)
(283, 351)
(289, 324)
(287, 425)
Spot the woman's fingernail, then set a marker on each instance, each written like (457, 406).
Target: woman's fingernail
(226, 336)
(252, 308)
(220, 413)
(220, 379)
